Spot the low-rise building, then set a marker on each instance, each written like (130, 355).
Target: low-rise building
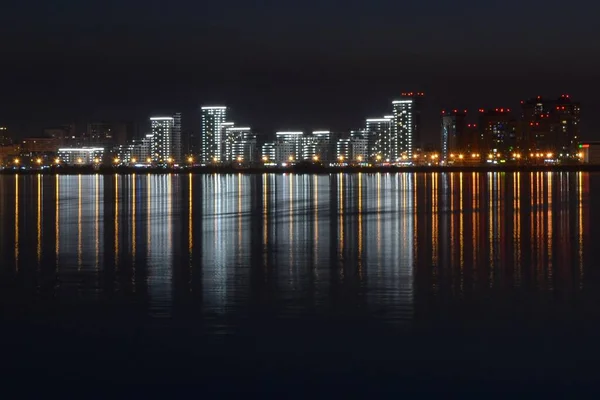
(80, 155)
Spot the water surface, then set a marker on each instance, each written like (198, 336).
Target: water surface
(368, 281)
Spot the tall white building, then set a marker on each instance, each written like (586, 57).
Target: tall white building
(213, 117)
(406, 123)
(239, 145)
(380, 139)
(162, 139)
(288, 146)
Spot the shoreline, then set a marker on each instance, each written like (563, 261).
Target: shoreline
(62, 170)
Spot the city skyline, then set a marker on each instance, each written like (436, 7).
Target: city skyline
(548, 126)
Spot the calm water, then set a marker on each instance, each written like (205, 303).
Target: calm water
(357, 282)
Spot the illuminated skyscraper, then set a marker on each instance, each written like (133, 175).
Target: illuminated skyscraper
(213, 118)
(406, 124)
(380, 138)
(162, 139)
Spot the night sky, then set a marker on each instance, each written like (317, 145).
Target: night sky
(290, 64)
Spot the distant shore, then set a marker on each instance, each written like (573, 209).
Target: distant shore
(299, 169)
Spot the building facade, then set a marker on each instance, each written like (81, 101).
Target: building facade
(317, 146)
(213, 117)
(81, 155)
(288, 146)
(453, 133)
(239, 145)
(551, 126)
(498, 131)
(162, 139)
(380, 139)
(268, 153)
(406, 124)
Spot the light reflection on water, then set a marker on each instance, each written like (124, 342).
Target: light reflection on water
(387, 246)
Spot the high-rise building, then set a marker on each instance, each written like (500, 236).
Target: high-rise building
(288, 146)
(162, 139)
(239, 145)
(343, 150)
(472, 139)
(268, 152)
(176, 153)
(359, 146)
(498, 131)
(406, 124)
(211, 141)
(380, 138)
(551, 126)
(453, 133)
(317, 146)
(189, 144)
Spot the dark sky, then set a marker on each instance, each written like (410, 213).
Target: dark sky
(290, 64)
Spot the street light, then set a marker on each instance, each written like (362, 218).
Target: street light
(116, 160)
(359, 158)
(39, 161)
(133, 160)
(378, 157)
(17, 161)
(148, 160)
(549, 155)
(315, 158)
(239, 159)
(79, 161)
(341, 158)
(265, 158)
(96, 160)
(190, 159)
(291, 158)
(169, 160)
(57, 161)
(461, 156)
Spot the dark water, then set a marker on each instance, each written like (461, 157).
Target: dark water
(296, 283)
